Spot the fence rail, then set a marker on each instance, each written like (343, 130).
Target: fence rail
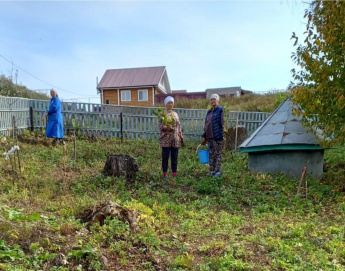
(112, 121)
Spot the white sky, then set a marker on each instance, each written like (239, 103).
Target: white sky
(203, 44)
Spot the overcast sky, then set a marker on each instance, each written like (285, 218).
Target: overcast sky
(203, 44)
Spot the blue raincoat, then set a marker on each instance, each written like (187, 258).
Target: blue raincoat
(55, 119)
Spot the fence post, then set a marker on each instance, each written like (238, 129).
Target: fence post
(121, 130)
(14, 129)
(236, 134)
(31, 119)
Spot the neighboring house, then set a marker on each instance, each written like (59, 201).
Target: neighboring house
(227, 92)
(222, 92)
(133, 86)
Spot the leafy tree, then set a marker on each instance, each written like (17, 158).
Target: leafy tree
(319, 85)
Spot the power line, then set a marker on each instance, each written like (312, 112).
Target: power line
(39, 78)
(89, 97)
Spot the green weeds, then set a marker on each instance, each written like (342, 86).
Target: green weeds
(242, 221)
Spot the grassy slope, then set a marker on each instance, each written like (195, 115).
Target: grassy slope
(8, 88)
(249, 102)
(239, 222)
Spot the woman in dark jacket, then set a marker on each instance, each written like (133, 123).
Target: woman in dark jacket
(213, 135)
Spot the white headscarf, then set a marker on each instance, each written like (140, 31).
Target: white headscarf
(168, 99)
(215, 96)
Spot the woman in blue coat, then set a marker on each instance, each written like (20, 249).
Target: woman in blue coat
(55, 119)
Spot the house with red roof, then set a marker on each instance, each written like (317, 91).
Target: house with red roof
(133, 86)
(149, 86)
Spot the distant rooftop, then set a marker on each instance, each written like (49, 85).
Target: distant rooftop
(136, 77)
(233, 91)
(179, 91)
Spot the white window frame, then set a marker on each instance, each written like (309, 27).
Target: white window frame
(147, 95)
(123, 96)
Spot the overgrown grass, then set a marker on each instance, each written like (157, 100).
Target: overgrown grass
(242, 221)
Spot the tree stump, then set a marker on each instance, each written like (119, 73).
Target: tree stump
(121, 165)
(231, 143)
(112, 209)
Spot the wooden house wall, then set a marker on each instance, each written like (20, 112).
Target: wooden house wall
(112, 96)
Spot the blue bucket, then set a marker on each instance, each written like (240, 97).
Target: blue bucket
(203, 156)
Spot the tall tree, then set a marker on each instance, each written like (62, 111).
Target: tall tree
(319, 84)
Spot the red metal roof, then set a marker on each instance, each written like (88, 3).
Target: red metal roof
(132, 77)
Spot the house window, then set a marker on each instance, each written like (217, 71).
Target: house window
(107, 101)
(143, 95)
(125, 95)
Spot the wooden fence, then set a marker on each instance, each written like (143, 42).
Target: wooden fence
(129, 122)
(14, 112)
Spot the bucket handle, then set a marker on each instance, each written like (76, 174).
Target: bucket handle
(199, 147)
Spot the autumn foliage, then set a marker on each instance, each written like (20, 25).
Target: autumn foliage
(319, 84)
